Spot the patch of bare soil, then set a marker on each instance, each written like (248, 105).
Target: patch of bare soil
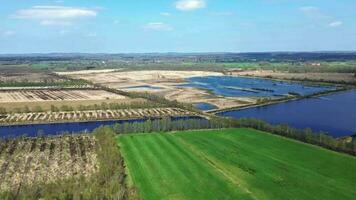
(193, 95)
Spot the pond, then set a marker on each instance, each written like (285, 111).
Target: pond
(254, 87)
(335, 114)
(204, 106)
(32, 130)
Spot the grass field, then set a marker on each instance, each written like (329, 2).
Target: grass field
(234, 164)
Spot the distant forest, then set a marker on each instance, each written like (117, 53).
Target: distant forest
(218, 57)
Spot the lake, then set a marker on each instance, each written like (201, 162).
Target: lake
(32, 130)
(335, 114)
(254, 87)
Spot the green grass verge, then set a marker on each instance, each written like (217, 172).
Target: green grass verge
(234, 164)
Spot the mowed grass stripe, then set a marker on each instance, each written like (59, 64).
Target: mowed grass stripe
(190, 179)
(230, 156)
(208, 164)
(286, 168)
(210, 178)
(130, 148)
(306, 161)
(166, 185)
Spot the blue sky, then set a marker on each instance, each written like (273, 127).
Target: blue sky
(124, 26)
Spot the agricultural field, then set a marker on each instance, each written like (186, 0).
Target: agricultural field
(56, 95)
(234, 164)
(44, 99)
(92, 115)
(27, 161)
(21, 74)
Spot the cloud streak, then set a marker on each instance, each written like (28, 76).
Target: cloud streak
(7, 33)
(335, 24)
(54, 15)
(189, 5)
(316, 14)
(54, 12)
(158, 26)
(313, 12)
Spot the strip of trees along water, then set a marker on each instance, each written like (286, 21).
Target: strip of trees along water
(304, 135)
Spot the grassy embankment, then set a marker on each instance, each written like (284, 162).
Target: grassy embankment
(234, 164)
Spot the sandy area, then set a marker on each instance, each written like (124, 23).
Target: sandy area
(87, 72)
(193, 95)
(332, 77)
(165, 83)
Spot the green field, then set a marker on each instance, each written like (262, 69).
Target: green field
(234, 164)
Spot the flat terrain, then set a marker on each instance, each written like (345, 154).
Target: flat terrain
(18, 74)
(234, 164)
(45, 160)
(55, 95)
(92, 115)
(13, 100)
(161, 82)
(331, 77)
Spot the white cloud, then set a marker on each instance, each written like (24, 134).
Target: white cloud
(53, 12)
(167, 14)
(158, 26)
(187, 5)
(335, 23)
(54, 15)
(7, 33)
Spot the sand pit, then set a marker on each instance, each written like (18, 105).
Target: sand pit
(193, 95)
(135, 78)
(164, 83)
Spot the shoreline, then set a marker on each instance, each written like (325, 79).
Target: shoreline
(95, 120)
(295, 98)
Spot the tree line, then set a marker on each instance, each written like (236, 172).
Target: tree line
(304, 135)
(102, 106)
(58, 83)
